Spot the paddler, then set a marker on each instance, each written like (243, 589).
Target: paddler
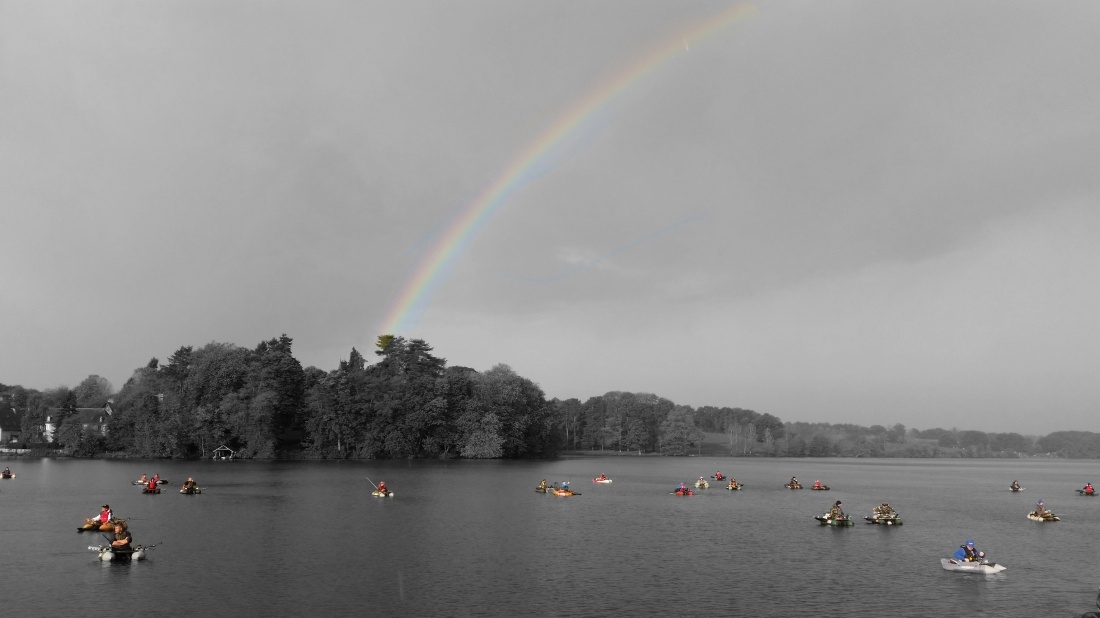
(794, 482)
(817, 484)
(836, 512)
(104, 516)
(603, 477)
(144, 480)
(1040, 509)
(190, 484)
(382, 488)
(1088, 489)
(542, 485)
(968, 552)
(122, 543)
(1015, 486)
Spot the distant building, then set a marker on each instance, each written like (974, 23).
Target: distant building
(96, 418)
(10, 426)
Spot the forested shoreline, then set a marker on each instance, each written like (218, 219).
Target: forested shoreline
(410, 404)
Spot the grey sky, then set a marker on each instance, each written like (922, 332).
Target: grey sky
(857, 212)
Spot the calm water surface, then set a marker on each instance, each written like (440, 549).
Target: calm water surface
(473, 539)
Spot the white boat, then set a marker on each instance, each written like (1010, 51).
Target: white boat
(380, 494)
(1048, 516)
(950, 564)
(106, 555)
(601, 480)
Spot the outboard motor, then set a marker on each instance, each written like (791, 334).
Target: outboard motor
(1094, 614)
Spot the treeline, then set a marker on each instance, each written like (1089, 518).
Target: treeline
(409, 404)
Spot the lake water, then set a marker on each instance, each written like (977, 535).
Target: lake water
(472, 538)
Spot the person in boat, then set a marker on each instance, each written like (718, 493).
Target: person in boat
(883, 511)
(156, 479)
(718, 476)
(1015, 485)
(152, 484)
(702, 481)
(123, 542)
(7, 471)
(817, 484)
(967, 552)
(382, 489)
(542, 485)
(733, 483)
(836, 512)
(105, 515)
(1088, 489)
(190, 484)
(144, 480)
(794, 481)
(1040, 509)
(603, 477)
(682, 487)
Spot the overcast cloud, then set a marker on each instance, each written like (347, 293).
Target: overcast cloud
(855, 212)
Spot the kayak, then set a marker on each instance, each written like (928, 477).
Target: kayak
(820, 487)
(601, 480)
(107, 554)
(1085, 493)
(542, 490)
(962, 566)
(1015, 489)
(97, 527)
(793, 486)
(191, 490)
(702, 484)
(735, 486)
(147, 490)
(564, 492)
(682, 492)
(381, 494)
(7, 476)
(827, 520)
(884, 521)
(1048, 516)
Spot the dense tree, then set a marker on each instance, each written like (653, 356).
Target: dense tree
(678, 432)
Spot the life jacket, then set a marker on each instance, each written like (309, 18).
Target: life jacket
(105, 516)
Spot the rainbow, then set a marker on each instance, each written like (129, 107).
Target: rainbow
(529, 163)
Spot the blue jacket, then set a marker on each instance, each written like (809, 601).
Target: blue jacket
(960, 553)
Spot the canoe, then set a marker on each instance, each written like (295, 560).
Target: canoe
(601, 480)
(790, 486)
(106, 554)
(702, 484)
(884, 521)
(191, 490)
(820, 487)
(564, 492)
(1085, 493)
(1044, 517)
(379, 494)
(962, 566)
(146, 490)
(829, 521)
(96, 527)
